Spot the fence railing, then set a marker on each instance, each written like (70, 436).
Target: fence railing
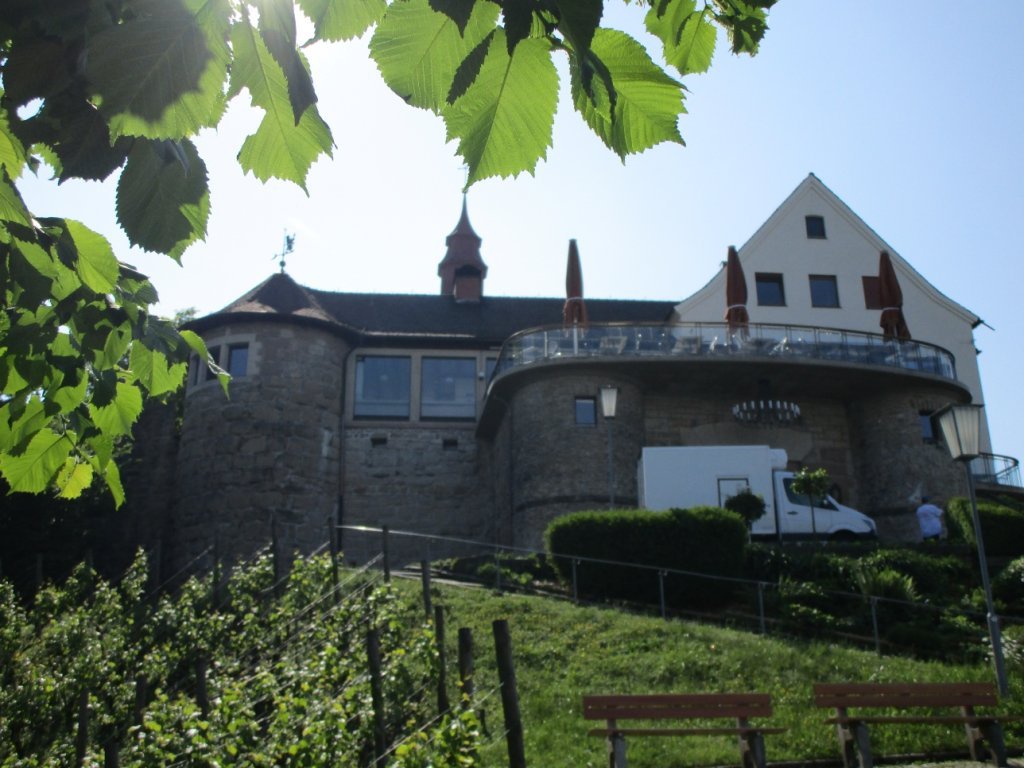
(718, 340)
(783, 608)
(993, 469)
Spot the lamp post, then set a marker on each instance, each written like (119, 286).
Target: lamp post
(961, 425)
(609, 402)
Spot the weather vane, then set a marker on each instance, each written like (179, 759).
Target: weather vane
(289, 246)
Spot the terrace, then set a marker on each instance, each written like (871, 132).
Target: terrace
(716, 340)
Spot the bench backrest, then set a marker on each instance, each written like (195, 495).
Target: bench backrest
(904, 695)
(680, 706)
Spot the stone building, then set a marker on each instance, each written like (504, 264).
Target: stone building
(477, 417)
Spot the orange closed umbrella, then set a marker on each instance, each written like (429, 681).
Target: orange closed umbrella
(574, 314)
(892, 322)
(735, 294)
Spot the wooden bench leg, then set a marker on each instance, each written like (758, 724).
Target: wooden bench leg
(752, 750)
(993, 735)
(855, 745)
(616, 751)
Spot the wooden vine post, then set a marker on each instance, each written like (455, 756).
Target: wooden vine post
(509, 695)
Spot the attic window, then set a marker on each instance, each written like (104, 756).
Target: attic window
(382, 387)
(815, 227)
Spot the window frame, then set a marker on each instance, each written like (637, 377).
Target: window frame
(770, 279)
(817, 221)
(591, 402)
(831, 280)
(359, 401)
(469, 382)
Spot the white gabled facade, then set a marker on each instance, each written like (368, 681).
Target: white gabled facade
(848, 252)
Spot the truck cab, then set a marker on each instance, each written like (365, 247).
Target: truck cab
(797, 518)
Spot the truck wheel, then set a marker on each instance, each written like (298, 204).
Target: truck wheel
(844, 536)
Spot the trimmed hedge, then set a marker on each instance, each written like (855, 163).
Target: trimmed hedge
(705, 540)
(1002, 527)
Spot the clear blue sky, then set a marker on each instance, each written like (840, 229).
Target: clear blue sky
(910, 111)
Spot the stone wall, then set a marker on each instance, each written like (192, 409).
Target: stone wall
(819, 439)
(546, 465)
(894, 464)
(425, 478)
(265, 460)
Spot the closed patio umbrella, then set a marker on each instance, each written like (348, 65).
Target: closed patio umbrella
(735, 294)
(574, 313)
(892, 322)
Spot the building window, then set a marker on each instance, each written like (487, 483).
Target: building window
(927, 426)
(382, 387)
(490, 364)
(770, 292)
(824, 291)
(815, 227)
(215, 357)
(586, 411)
(872, 293)
(448, 388)
(238, 359)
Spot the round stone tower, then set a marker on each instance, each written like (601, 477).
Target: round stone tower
(262, 462)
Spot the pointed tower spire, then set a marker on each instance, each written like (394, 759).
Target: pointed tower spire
(462, 271)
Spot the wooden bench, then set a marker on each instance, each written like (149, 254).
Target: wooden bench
(740, 707)
(898, 698)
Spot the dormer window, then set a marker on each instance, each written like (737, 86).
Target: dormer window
(815, 227)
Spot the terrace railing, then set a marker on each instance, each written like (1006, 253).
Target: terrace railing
(993, 469)
(717, 340)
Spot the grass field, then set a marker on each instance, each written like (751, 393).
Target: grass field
(563, 651)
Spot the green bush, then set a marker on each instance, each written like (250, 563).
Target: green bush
(1002, 527)
(1008, 587)
(936, 577)
(747, 504)
(702, 540)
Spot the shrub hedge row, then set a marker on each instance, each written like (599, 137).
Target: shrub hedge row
(705, 540)
(1002, 527)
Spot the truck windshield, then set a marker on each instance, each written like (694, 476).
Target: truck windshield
(802, 500)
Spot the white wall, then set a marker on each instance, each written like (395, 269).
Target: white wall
(849, 251)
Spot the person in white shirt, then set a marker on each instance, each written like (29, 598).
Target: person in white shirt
(929, 517)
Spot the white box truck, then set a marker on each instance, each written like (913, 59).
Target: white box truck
(689, 476)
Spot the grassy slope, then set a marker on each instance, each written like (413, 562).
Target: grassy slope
(562, 651)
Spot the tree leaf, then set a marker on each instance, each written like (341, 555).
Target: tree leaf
(153, 372)
(33, 470)
(503, 122)
(342, 19)
(517, 18)
(112, 478)
(459, 11)
(279, 148)
(160, 73)
(419, 50)
(12, 152)
(647, 102)
(578, 21)
(73, 478)
(117, 417)
(96, 264)
(277, 26)
(11, 206)
(746, 20)
(688, 37)
(161, 205)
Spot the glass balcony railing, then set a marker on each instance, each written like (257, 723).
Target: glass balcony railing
(714, 340)
(992, 469)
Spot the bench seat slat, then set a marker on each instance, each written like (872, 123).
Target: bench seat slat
(669, 713)
(936, 719)
(630, 731)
